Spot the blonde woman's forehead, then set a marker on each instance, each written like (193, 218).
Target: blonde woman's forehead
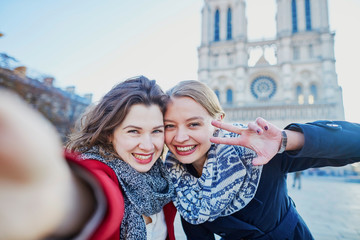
(186, 108)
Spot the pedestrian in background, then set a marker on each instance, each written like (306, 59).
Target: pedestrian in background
(297, 179)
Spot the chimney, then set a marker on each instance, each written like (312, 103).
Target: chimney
(70, 89)
(21, 71)
(49, 81)
(88, 96)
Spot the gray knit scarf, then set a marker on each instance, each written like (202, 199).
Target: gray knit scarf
(227, 184)
(144, 193)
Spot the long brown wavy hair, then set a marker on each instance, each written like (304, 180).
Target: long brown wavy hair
(99, 122)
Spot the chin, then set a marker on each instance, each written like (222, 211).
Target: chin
(143, 170)
(185, 160)
(144, 167)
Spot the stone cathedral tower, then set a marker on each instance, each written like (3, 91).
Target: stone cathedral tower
(298, 85)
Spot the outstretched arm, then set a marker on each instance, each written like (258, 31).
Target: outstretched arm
(39, 196)
(262, 137)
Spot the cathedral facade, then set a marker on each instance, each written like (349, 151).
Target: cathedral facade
(293, 78)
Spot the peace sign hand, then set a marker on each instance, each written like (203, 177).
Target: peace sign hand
(261, 136)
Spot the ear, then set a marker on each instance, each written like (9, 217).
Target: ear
(219, 118)
(110, 138)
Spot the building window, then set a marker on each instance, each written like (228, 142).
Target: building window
(229, 58)
(217, 26)
(217, 93)
(299, 95)
(215, 62)
(229, 25)
(308, 15)
(311, 51)
(229, 96)
(263, 88)
(294, 16)
(296, 53)
(313, 94)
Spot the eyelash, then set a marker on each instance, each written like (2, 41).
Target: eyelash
(194, 124)
(133, 131)
(158, 131)
(155, 131)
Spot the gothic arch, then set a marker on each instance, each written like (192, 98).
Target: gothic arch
(313, 93)
(229, 23)
(229, 96)
(299, 93)
(294, 16)
(220, 87)
(308, 15)
(217, 25)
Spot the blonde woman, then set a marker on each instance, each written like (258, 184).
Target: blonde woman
(220, 183)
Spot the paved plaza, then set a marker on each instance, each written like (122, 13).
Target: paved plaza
(329, 206)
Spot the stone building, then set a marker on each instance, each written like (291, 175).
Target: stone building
(298, 85)
(61, 107)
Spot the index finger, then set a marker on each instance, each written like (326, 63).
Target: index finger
(229, 141)
(228, 127)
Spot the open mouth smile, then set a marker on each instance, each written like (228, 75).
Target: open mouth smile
(185, 150)
(143, 158)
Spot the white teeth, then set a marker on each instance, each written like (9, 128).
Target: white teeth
(142, 157)
(185, 149)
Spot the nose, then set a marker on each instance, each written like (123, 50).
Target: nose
(146, 143)
(181, 135)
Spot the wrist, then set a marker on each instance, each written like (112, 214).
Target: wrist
(283, 142)
(80, 205)
(295, 140)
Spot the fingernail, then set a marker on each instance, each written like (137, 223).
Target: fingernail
(266, 128)
(258, 131)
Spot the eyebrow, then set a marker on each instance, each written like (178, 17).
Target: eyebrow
(136, 127)
(187, 120)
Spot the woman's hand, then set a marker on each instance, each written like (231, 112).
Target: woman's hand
(35, 181)
(261, 136)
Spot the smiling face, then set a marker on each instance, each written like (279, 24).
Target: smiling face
(188, 130)
(139, 139)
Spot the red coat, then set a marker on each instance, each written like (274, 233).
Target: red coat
(109, 228)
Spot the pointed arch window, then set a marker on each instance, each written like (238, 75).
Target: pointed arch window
(313, 94)
(294, 16)
(308, 15)
(299, 95)
(229, 96)
(229, 25)
(217, 26)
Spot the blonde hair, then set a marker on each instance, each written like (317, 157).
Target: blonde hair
(201, 93)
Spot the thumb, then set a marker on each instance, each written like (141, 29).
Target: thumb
(260, 160)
